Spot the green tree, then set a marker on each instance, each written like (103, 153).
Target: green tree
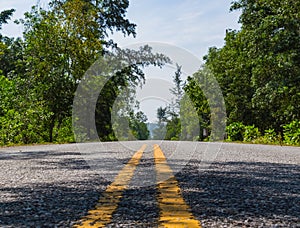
(199, 101)
(160, 131)
(161, 115)
(258, 67)
(5, 16)
(129, 77)
(271, 30)
(232, 69)
(10, 48)
(138, 126)
(21, 119)
(173, 127)
(177, 91)
(189, 120)
(62, 43)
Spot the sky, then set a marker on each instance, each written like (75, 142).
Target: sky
(193, 25)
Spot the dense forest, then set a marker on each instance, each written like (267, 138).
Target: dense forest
(257, 69)
(41, 71)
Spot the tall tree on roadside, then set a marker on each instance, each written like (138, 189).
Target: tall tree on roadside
(258, 68)
(62, 43)
(176, 91)
(160, 131)
(173, 127)
(271, 30)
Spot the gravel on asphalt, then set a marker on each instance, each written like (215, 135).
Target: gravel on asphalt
(245, 185)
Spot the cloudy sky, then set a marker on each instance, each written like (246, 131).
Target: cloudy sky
(194, 25)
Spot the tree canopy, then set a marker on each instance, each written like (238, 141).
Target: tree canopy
(258, 67)
(42, 70)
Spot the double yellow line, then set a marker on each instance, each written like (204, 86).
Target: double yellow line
(174, 212)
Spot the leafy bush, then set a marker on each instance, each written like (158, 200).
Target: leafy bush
(251, 133)
(21, 127)
(235, 131)
(65, 132)
(238, 132)
(291, 133)
(196, 138)
(174, 138)
(270, 136)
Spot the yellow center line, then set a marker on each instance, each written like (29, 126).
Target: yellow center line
(108, 203)
(174, 212)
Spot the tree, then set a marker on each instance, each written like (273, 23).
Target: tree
(272, 31)
(62, 43)
(232, 69)
(173, 129)
(177, 91)
(161, 115)
(273, 37)
(196, 98)
(5, 16)
(190, 119)
(20, 115)
(160, 131)
(130, 76)
(258, 68)
(46, 66)
(138, 126)
(10, 48)
(173, 126)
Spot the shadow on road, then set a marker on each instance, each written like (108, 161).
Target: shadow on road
(59, 201)
(243, 190)
(49, 204)
(232, 191)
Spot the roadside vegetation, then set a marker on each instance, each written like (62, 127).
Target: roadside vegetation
(237, 131)
(258, 71)
(39, 72)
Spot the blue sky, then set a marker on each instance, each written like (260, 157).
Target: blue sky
(194, 25)
(191, 24)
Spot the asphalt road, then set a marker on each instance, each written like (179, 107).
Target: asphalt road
(224, 185)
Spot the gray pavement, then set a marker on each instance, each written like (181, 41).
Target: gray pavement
(226, 185)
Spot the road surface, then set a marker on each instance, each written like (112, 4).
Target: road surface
(150, 184)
